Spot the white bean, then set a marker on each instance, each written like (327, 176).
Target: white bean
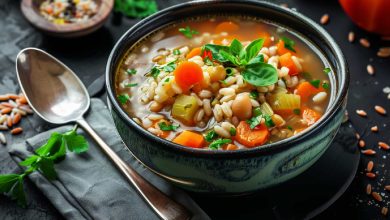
(320, 97)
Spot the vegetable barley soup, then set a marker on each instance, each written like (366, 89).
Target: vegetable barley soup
(223, 83)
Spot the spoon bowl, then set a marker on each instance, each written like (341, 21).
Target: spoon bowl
(58, 96)
(54, 91)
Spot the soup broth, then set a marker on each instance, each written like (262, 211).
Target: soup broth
(223, 83)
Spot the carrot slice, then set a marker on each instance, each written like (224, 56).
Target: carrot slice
(282, 50)
(251, 138)
(286, 60)
(310, 116)
(194, 52)
(189, 139)
(188, 74)
(306, 90)
(227, 26)
(267, 38)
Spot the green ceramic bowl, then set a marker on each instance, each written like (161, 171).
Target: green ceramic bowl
(246, 170)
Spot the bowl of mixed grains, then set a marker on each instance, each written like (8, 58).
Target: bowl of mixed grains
(67, 18)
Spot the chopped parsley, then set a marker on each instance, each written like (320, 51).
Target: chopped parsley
(254, 94)
(165, 127)
(268, 121)
(315, 83)
(297, 111)
(325, 85)
(188, 32)
(208, 62)
(289, 127)
(254, 121)
(219, 143)
(232, 131)
(176, 52)
(170, 67)
(131, 71)
(131, 85)
(288, 43)
(155, 72)
(167, 79)
(257, 111)
(123, 98)
(210, 136)
(327, 70)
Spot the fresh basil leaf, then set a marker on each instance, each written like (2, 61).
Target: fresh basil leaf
(235, 47)
(253, 49)
(215, 49)
(288, 43)
(136, 8)
(51, 146)
(17, 192)
(258, 59)
(219, 143)
(268, 121)
(210, 136)
(75, 142)
(315, 83)
(165, 127)
(29, 161)
(46, 166)
(123, 98)
(229, 57)
(260, 74)
(7, 181)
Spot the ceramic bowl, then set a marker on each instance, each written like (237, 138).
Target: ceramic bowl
(30, 10)
(246, 170)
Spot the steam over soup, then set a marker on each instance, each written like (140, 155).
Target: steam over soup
(223, 83)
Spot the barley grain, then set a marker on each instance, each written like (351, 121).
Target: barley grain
(364, 42)
(368, 189)
(207, 107)
(374, 128)
(384, 52)
(351, 36)
(384, 211)
(370, 166)
(371, 175)
(324, 19)
(380, 110)
(362, 143)
(3, 140)
(361, 113)
(387, 187)
(320, 97)
(383, 145)
(370, 69)
(17, 130)
(221, 132)
(368, 152)
(376, 196)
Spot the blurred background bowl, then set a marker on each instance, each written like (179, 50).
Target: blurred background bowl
(30, 10)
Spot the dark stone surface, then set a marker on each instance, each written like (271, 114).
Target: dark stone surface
(87, 57)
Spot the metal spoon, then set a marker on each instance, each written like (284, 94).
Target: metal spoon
(58, 96)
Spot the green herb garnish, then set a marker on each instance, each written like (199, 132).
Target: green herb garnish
(176, 52)
(289, 127)
(254, 70)
(297, 111)
(327, 70)
(43, 160)
(188, 32)
(165, 127)
(315, 83)
(208, 62)
(131, 71)
(232, 131)
(170, 67)
(325, 85)
(131, 85)
(288, 43)
(219, 143)
(210, 136)
(167, 79)
(254, 121)
(254, 94)
(136, 8)
(268, 121)
(155, 72)
(257, 111)
(123, 98)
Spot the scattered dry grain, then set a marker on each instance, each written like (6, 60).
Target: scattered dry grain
(374, 128)
(370, 166)
(368, 189)
(380, 110)
(361, 112)
(364, 42)
(383, 145)
(371, 175)
(351, 36)
(368, 152)
(324, 19)
(376, 196)
(362, 143)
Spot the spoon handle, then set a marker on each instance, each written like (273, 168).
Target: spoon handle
(164, 207)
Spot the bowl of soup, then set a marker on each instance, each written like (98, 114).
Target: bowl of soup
(227, 97)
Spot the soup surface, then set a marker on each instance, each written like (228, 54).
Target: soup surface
(223, 83)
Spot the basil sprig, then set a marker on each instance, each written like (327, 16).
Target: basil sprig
(252, 65)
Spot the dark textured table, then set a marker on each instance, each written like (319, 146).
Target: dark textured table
(87, 57)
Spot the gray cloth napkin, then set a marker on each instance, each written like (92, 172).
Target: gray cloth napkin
(89, 186)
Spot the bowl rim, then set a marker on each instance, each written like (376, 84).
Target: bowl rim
(38, 21)
(248, 152)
